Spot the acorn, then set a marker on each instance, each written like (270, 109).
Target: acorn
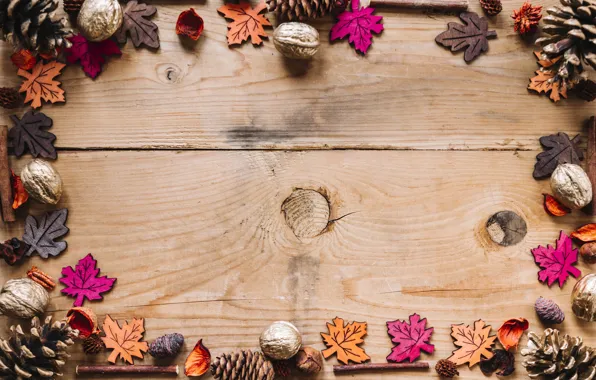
(548, 311)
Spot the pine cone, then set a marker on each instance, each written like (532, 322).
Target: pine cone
(38, 355)
(9, 97)
(303, 10)
(586, 90)
(548, 311)
(572, 41)
(446, 369)
(32, 25)
(72, 6)
(93, 345)
(242, 365)
(491, 7)
(556, 357)
(282, 368)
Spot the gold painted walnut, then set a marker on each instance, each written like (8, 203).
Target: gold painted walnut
(296, 40)
(42, 181)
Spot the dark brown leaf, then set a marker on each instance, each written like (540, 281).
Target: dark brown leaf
(27, 134)
(138, 27)
(42, 231)
(559, 149)
(472, 35)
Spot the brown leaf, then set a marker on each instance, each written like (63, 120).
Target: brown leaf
(554, 207)
(585, 233)
(197, 363)
(136, 24)
(474, 343)
(125, 341)
(558, 149)
(511, 331)
(473, 35)
(247, 22)
(343, 340)
(39, 83)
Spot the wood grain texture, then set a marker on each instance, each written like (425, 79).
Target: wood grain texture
(200, 246)
(407, 93)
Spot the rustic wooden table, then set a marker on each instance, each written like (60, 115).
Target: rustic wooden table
(176, 163)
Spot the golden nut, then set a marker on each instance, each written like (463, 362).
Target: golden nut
(296, 40)
(280, 341)
(571, 186)
(98, 20)
(42, 181)
(583, 298)
(23, 298)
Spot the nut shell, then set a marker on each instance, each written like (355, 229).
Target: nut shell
(296, 40)
(280, 341)
(23, 298)
(42, 182)
(588, 252)
(571, 186)
(309, 360)
(583, 298)
(98, 20)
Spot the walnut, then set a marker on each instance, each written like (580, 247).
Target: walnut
(583, 298)
(280, 341)
(23, 298)
(571, 186)
(42, 181)
(296, 40)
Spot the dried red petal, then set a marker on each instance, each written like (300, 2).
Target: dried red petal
(526, 19)
(23, 59)
(189, 24)
(585, 233)
(19, 194)
(511, 331)
(84, 320)
(554, 207)
(197, 363)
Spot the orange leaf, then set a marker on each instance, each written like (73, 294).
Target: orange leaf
(554, 207)
(511, 331)
(124, 341)
(19, 194)
(39, 83)
(23, 59)
(585, 233)
(344, 340)
(197, 363)
(546, 62)
(474, 343)
(247, 22)
(540, 83)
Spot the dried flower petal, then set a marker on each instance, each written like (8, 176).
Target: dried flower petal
(585, 233)
(19, 194)
(197, 363)
(511, 331)
(84, 320)
(554, 207)
(526, 18)
(23, 59)
(189, 24)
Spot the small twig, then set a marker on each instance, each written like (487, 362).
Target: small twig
(444, 5)
(591, 160)
(126, 369)
(379, 367)
(5, 185)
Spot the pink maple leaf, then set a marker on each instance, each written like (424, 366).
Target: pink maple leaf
(90, 54)
(358, 24)
(83, 282)
(557, 263)
(410, 339)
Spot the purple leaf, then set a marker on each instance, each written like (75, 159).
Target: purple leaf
(90, 54)
(82, 282)
(557, 263)
(410, 338)
(358, 24)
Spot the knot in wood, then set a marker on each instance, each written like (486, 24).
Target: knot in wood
(169, 73)
(506, 228)
(307, 212)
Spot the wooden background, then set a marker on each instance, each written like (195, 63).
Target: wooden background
(176, 162)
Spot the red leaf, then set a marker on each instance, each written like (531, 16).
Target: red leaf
(586, 233)
(23, 59)
(557, 263)
(358, 24)
(82, 282)
(198, 361)
(511, 331)
(554, 207)
(19, 194)
(90, 54)
(410, 339)
(190, 24)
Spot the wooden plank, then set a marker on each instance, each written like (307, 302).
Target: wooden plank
(200, 246)
(407, 93)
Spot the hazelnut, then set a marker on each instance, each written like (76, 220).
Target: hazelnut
(571, 186)
(588, 252)
(280, 341)
(42, 181)
(309, 360)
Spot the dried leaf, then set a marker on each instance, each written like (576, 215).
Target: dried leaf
(502, 361)
(42, 231)
(23, 59)
(90, 54)
(474, 343)
(247, 22)
(135, 23)
(197, 363)
(83, 282)
(548, 62)
(29, 133)
(190, 24)
(511, 331)
(125, 341)
(473, 35)
(359, 24)
(558, 149)
(554, 207)
(545, 81)
(39, 83)
(410, 339)
(557, 263)
(343, 340)
(586, 233)
(19, 194)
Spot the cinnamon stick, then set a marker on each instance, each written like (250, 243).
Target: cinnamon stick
(440, 5)
(591, 160)
(5, 185)
(379, 367)
(126, 369)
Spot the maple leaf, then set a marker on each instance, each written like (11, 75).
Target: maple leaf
(124, 341)
(29, 133)
(39, 83)
(472, 35)
(473, 343)
(139, 28)
(83, 282)
(19, 194)
(558, 149)
(344, 340)
(410, 339)
(41, 232)
(247, 22)
(359, 25)
(557, 263)
(545, 80)
(90, 54)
